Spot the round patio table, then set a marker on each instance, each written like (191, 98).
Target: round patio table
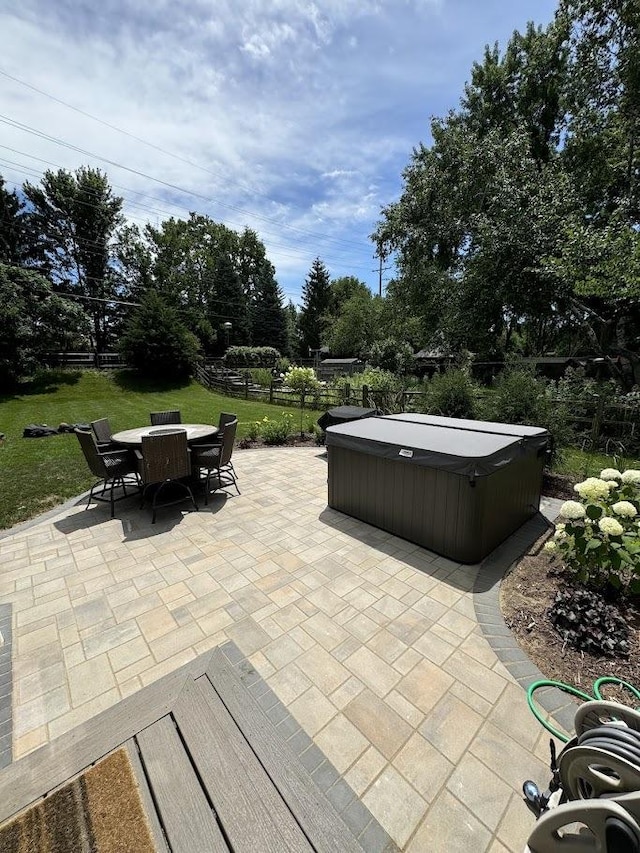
(133, 437)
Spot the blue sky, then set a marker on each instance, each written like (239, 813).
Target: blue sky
(293, 118)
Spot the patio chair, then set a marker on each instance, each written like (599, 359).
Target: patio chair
(162, 418)
(215, 459)
(114, 468)
(104, 437)
(224, 420)
(164, 459)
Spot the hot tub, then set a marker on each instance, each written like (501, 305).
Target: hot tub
(456, 487)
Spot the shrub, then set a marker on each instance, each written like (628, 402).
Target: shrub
(599, 537)
(157, 343)
(304, 381)
(587, 622)
(451, 394)
(251, 357)
(253, 432)
(520, 398)
(276, 432)
(383, 387)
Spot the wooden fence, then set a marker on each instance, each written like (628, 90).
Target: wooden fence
(598, 423)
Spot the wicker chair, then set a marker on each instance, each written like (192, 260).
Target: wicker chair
(215, 459)
(163, 418)
(165, 458)
(104, 437)
(224, 420)
(114, 468)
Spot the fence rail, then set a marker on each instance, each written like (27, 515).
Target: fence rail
(598, 423)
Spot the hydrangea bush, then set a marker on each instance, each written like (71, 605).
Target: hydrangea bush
(599, 536)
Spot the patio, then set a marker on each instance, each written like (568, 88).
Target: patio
(370, 642)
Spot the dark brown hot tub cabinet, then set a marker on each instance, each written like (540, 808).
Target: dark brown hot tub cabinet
(456, 487)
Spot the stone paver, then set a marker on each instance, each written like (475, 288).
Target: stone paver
(392, 660)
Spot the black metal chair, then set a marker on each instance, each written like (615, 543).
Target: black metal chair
(162, 418)
(164, 459)
(104, 437)
(215, 459)
(114, 468)
(224, 420)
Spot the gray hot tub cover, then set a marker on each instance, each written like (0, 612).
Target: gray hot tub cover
(469, 452)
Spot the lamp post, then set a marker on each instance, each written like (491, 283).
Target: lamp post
(227, 333)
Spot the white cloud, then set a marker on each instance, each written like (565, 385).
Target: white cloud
(298, 113)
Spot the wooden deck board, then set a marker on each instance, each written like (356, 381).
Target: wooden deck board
(41, 771)
(213, 771)
(249, 808)
(189, 822)
(147, 800)
(317, 817)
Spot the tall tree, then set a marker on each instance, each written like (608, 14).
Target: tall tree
(267, 316)
(230, 304)
(33, 321)
(316, 299)
(72, 218)
(12, 227)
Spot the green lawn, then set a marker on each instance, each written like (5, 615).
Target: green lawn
(38, 473)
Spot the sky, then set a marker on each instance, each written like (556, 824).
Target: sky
(291, 117)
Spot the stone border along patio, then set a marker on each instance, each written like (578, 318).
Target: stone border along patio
(395, 661)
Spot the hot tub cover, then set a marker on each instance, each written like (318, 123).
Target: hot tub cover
(520, 430)
(343, 414)
(473, 453)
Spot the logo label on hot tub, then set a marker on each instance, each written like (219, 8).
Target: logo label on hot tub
(407, 453)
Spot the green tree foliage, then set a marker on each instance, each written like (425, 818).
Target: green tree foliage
(266, 313)
(518, 226)
(316, 299)
(12, 227)
(71, 219)
(450, 394)
(33, 322)
(356, 327)
(157, 343)
(231, 303)
(293, 348)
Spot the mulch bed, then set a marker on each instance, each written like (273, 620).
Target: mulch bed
(526, 594)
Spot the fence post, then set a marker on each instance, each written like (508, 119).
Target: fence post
(271, 391)
(596, 424)
(246, 386)
(365, 396)
(346, 393)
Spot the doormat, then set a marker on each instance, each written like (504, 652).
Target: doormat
(99, 812)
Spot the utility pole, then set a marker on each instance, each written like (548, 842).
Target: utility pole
(380, 270)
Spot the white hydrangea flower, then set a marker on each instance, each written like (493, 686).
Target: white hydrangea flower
(610, 474)
(560, 533)
(631, 476)
(592, 489)
(625, 508)
(613, 484)
(610, 526)
(550, 546)
(572, 509)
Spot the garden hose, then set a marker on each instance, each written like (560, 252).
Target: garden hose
(573, 691)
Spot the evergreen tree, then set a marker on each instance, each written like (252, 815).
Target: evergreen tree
(157, 343)
(316, 301)
(33, 322)
(12, 232)
(229, 304)
(268, 321)
(71, 219)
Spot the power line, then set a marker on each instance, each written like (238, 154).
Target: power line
(133, 136)
(158, 211)
(40, 134)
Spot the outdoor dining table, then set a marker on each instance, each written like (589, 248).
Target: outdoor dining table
(133, 437)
